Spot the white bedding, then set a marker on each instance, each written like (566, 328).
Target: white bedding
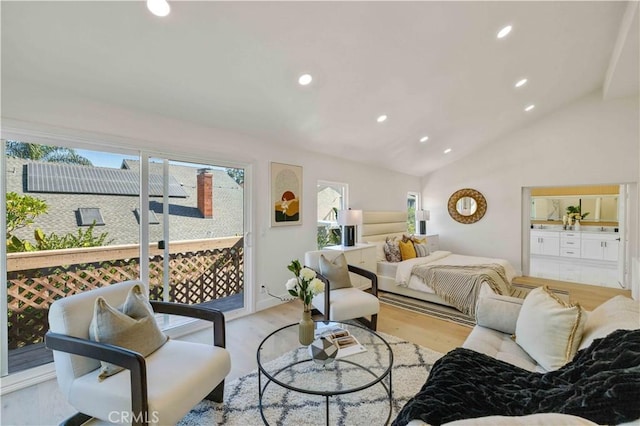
(404, 278)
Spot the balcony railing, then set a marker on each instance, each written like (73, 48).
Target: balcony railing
(200, 271)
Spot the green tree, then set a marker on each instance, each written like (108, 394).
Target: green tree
(237, 175)
(22, 211)
(411, 219)
(83, 238)
(52, 154)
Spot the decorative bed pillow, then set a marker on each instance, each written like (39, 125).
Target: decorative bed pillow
(392, 250)
(422, 250)
(417, 240)
(336, 271)
(132, 326)
(617, 313)
(549, 329)
(407, 251)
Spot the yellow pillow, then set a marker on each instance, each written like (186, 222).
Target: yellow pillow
(407, 251)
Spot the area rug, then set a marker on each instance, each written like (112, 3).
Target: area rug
(411, 367)
(442, 312)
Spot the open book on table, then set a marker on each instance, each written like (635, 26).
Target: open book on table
(346, 342)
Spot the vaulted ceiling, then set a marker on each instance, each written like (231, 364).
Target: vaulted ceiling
(433, 68)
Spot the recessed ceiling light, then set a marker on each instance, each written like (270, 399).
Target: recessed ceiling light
(381, 118)
(448, 150)
(305, 79)
(529, 107)
(424, 139)
(158, 7)
(521, 83)
(503, 32)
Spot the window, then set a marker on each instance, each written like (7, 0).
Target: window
(413, 199)
(332, 196)
(57, 207)
(57, 198)
(89, 216)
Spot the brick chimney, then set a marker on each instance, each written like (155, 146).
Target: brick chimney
(205, 192)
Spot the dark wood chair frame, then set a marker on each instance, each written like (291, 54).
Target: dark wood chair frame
(373, 322)
(135, 362)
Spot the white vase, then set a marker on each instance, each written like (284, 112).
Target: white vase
(576, 227)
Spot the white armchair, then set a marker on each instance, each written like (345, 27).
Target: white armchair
(158, 389)
(340, 304)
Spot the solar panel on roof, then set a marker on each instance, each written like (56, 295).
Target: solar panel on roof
(73, 179)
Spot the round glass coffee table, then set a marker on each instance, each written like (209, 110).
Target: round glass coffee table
(289, 377)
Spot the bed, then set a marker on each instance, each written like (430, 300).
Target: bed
(399, 277)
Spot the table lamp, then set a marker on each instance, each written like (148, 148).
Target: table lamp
(349, 219)
(422, 216)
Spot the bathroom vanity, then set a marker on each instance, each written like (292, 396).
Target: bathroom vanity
(583, 244)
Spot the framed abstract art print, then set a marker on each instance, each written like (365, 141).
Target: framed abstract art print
(286, 194)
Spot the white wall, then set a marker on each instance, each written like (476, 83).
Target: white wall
(273, 248)
(586, 142)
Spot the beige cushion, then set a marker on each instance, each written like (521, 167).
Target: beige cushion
(541, 419)
(336, 271)
(422, 249)
(617, 313)
(179, 374)
(132, 326)
(348, 303)
(549, 329)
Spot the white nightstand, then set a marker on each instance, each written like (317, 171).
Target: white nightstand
(361, 255)
(432, 241)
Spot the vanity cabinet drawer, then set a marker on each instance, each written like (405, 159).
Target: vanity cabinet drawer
(570, 252)
(569, 239)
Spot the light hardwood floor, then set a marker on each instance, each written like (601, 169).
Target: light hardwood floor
(245, 334)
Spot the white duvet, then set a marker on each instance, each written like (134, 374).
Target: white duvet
(403, 271)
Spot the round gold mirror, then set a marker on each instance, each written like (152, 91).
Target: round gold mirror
(467, 206)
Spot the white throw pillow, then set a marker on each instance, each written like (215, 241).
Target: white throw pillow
(617, 313)
(540, 419)
(549, 329)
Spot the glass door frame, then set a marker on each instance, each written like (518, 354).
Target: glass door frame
(73, 139)
(249, 299)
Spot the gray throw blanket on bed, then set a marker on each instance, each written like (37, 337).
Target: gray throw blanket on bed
(460, 285)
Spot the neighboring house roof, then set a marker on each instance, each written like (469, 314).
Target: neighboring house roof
(119, 211)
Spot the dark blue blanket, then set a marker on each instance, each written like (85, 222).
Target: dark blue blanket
(601, 384)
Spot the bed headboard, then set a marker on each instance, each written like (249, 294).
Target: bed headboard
(377, 226)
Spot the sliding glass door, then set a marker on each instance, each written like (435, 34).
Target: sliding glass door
(196, 233)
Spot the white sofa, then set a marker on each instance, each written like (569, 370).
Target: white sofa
(497, 317)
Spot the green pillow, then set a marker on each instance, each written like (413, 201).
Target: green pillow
(131, 326)
(336, 271)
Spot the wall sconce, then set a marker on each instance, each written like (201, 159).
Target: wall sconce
(349, 219)
(422, 216)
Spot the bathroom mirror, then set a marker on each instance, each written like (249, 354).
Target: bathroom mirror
(599, 208)
(597, 203)
(467, 206)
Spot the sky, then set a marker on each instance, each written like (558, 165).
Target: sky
(105, 159)
(108, 159)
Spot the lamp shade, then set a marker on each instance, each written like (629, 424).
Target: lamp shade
(349, 217)
(422, 215)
